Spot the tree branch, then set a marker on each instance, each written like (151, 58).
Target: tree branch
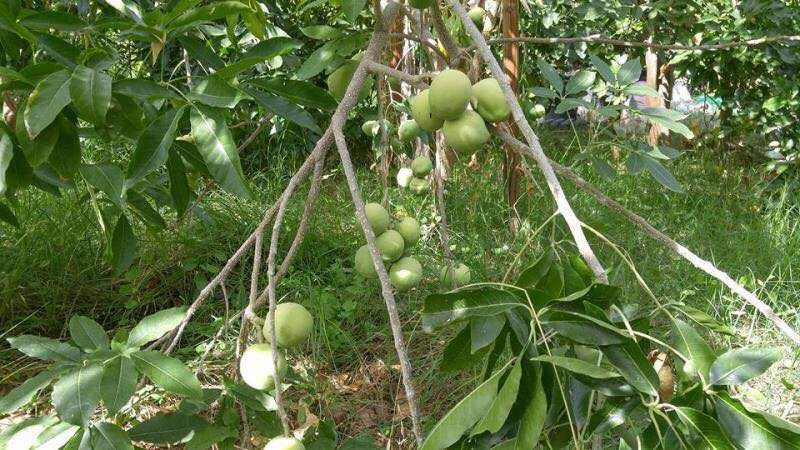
(600, 39)
(414, 80)
(428, 43)
(541, 159)
(452, 49)
(262, 124)
(700, 263)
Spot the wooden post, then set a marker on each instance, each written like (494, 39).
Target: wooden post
(651, 65)
(511, 167)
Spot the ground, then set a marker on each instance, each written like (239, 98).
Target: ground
(53, 268)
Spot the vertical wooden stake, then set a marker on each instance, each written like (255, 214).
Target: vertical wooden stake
(511, 168)
(651, 65)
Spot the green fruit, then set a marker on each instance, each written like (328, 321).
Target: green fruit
(420, 4)
(371, 128)
(476, 15)
(462, 276)
(284, 443)
(364, 265)
(421, 112)
(255, 366)
(449, 94)
(405, 273)
(390, 245)
(421, 166)
(377, 217)
(538, 111)
(419, 186)
(466, 134)
(340, 78)
(404, 177)
(293, 324)
(408, 130)
(409, 229)
(488, 100)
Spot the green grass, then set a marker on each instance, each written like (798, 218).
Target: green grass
(53, 267)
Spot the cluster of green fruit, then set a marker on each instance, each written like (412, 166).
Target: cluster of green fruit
(414, 178)
(293, 326)
(444, 105)
(405, 272)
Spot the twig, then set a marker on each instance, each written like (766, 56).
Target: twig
(541, 159)
(188, 68)
(700, 263)
(428, 43)
(262, 124)
(414, 80)
(600, 39)
(444, 230)
(453, 50)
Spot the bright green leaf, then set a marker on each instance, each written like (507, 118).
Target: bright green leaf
(153, 145)
(634, 366)
(118, 383)
(87, 333)
(107, 178)
(497, 413)
(45, 348)
(76, 394)
(214, 140)
(155, 325)
(123, 245)
(167, 428)
(741, 364)
(49, 97)
(704, 426)
(577, 366)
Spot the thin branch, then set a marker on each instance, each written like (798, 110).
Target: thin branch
(426, 42)
(188, 67)
(700, 263)
(539, 156)
(454, 52)
(444, 230)
(600, 39)
(414, 80)
(262, 124)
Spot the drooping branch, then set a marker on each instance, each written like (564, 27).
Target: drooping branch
(414, 80)
(700, 263)
(539, 156)
(600, 39)
(262, 125)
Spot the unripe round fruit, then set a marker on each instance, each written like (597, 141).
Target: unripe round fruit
(466, 134)
(364, 265)
(488, 100)
(390, 245)
(377, 217)
(476, 15)
(461, 272)
(538, 111)
(419, 186)
(255, 366)
(405, 273)
(420, 4)
(284, 443)
(409, 229)
(340, 78)
(404, 177)
(293, 324)
(371, 128)
(449, 94)
(408, 130)
(421, 166)
(421, 112)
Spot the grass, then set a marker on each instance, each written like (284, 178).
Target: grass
(53, 268)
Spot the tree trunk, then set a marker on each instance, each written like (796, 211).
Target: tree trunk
(511, 169)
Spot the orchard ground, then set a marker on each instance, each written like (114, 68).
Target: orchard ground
(53, 268)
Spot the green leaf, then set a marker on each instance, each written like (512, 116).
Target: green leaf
(169, 373)
(45, 348)
(661, 174)
(748, 430)
(153, 145)
(464, 415)
(612, 414)
(641, 89)
(76, 394)
(24, 432)
(118, 383)
(533, 419)
(38, 150)
(66, 156)
(302, 93)
(107, 436)
(215, 91)
(272, 47)
(49, 97)
(123, 245)
(531, 275)
(580, 82)
(549, 73)
(321, 32)
(572, 103)
(24, 393)
(139, 204)
(352, 8)
(704, 426)
(6, 153)
(7, 216)
(603, 168)
(457, 355)
(741, 364)
(55, 436)
(205, 437)
(198, 50)
(630, 72)
(143, 89)
(167, 428)
(249, 397)
(215, 143)
(178, 183)
(155, 325)
(603, 69)
(484, 330)
(703, 319)
(584, 329)
(497, 413)
(543, 92)
(693, 346)
(87, 333)
(56, 20)
(442, 309)
(317, 62)
(62, 51)
(634, 366)
(107, 178)
(672, 126)
(577, 366)
(90, 91)
(214, 11)
(282, 107)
